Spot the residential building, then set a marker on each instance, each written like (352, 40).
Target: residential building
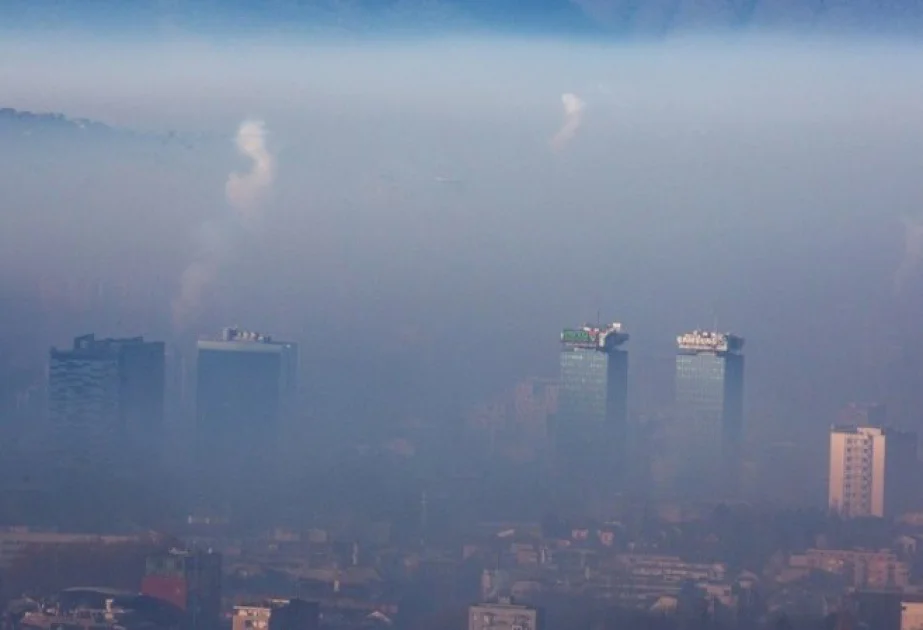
(911, 615)
(871, 471)
(862, 568)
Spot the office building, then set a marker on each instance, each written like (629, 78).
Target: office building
(871, 471)
(591, 423)
(245, 390)
(106, 395)
(503, 615)
(707, 432)
(191, 581)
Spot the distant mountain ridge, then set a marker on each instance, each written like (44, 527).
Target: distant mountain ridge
(23, 123)
(26, 119)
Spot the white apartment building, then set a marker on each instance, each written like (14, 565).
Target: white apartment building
(869, 466)
(911, 615)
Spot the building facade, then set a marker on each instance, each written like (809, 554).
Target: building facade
(911, 615)
(277, 614)
(503, 615)
(112, 383)
(591, 423)
(191, 581)
(106, 395)
(871, 471)
(707, 430)
(862, 568)
(245, 392)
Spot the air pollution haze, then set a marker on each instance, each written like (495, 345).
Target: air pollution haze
(913, 252)
(573, 118)
(244, 193)
(729, 195)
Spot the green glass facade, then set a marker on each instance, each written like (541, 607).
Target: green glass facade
(707, 432)
(592, 418)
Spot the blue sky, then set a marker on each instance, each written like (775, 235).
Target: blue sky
(603, 19)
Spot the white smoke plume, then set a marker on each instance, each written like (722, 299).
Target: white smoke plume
(244, 192)
(913, 252)
(193, 281)
(573, 117)
(213, 246)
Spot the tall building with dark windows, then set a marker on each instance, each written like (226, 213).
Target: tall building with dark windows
(102, 389)
(707, 433)
(591, 423)
(245, 388)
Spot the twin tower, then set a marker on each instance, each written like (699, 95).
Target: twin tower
(695, 453)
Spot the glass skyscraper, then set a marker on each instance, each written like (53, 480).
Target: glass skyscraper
(107, 393)
(591, 423)
(245, 389)
(709, 414)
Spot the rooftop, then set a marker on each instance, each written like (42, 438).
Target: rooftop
(600, 337)
(709, 341)
(88, 345)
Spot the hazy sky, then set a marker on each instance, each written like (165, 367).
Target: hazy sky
(421, 225)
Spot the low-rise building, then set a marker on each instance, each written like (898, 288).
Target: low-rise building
(16, 541)
(277, 614)
(862, 568)
(503, 615)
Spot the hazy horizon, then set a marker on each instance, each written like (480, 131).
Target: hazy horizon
(421, 231)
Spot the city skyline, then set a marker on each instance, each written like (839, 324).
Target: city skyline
(414, 209)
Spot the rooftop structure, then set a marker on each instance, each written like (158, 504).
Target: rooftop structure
(103, 609)
(237, 334)
(709, 342)
(85, 345)
(595, 337)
